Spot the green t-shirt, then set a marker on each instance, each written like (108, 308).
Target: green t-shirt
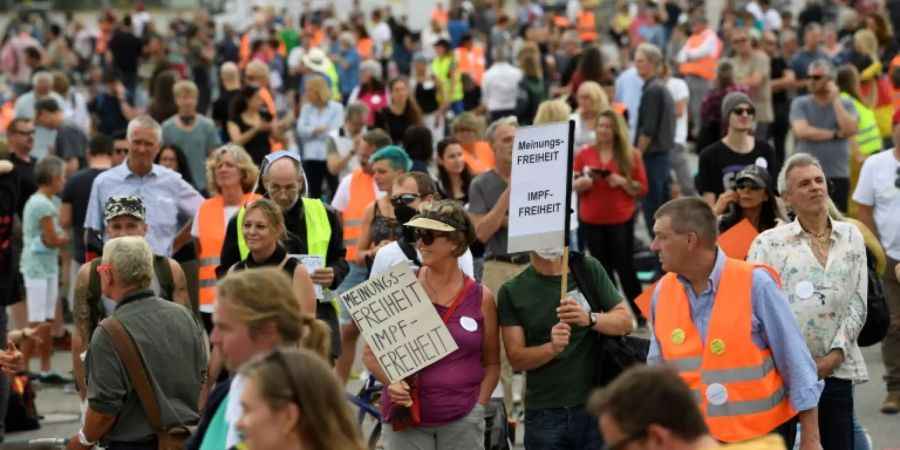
(38, 260)
(217, 431)
(290, 37)
(529, 300)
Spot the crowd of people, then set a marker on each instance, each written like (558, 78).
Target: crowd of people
(213, 188)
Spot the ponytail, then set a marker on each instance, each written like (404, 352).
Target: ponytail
(316, 336)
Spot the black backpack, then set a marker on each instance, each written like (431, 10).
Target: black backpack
(878, 317)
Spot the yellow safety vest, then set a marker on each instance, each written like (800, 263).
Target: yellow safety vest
(318, 230)
(867, 135)
(441, 67)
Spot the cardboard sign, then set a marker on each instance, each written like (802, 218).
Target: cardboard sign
(399, 322)
(539, 187)
(736, 241)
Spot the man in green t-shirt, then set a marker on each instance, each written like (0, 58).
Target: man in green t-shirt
(553, 343)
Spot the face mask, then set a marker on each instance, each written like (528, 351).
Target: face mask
(405, 213)
(550, 254)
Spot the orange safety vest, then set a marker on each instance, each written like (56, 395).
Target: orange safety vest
(362, 194)
(441, 16)
(619, 108)
(587, 26)
(266, 97)
(737, 386)
(364, 48)
(895, 92)
(482, 160)
(704, 67)
(211, 222)
(471, 62)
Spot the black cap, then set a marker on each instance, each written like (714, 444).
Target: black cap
(755, 174)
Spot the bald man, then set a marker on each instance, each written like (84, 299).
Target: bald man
(231, 84)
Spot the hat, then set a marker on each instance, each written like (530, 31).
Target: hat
(124, 205)
(432, 221)
(731, 101)
(316, 60)
(756, 174)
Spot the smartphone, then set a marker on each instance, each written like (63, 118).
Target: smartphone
(600, 173)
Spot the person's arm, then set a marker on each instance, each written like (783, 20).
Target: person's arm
(49, 236)
(363, 248)
(303, 287)
(648, 127)
(336, 266)
(786, 81)
(707, 48)
(65, 215)
(582, 183)
(866, 215)
(855, 313)
(182, 238)
(681, 108)
(80, 336)
(306, 128)
(371, 362)
(757, 77)
(234, 133)
(490, 348)
(334, 160)
(230, 253)
(95, 426)
(809, 429)
(846, 117)
(487, 225)
(803, 130)
(189, 201)
(180, 292)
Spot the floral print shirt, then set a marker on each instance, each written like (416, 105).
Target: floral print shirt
(829, 303)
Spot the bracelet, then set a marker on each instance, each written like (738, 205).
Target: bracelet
(83, 440)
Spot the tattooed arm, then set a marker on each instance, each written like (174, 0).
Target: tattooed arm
(81, 338)
(180, 294)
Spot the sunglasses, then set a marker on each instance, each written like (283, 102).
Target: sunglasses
(816, 77)
(428, 236)
(748, 185)
(404, 199)
(742, 111)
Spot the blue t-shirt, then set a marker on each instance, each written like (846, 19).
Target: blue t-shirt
(38, 260)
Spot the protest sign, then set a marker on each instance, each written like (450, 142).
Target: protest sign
(539, 187)
(399, 322)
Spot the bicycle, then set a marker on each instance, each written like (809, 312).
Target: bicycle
(368, 400)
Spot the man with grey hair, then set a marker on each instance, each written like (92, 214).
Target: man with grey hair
(697, 61)
(169, 342)
(711, 306)
(42, 87)
(164, 193)
(655, 134)
(489, 207)
(821, 261)
(823, 122)
(500, 85)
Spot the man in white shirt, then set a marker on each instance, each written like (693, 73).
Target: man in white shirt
(381, 36)
(500, 85)
(340, 149)
(877, 198)
(680, 93)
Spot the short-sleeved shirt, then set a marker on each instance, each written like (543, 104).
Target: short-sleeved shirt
(877, 188)
(679, 90)
(38, 260)
(833, 153)
(195, 143)
(484, 192)
(719, 164)
(529, 300)
(758, 63)
(71, 142)
(176, 366)
(656, 117)
(77, 193)
(109, 113)
(27, 180)
(801, 60)
(164, 193)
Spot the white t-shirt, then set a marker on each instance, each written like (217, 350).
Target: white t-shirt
(380, 35)
(500, 86)
(876, 188)
(392, 254)
(679, 90)
(341, 198)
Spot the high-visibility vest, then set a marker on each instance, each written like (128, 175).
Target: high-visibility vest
(587, 26)
(480, 158)
(267, 99)
(364, 48)
(895, 92)
(737, 386)
(211, 222)
(318, 229)
(470, 62)
(441, 68)
(332, 74)
(362, 194)
(619, 108)
(441, 16)
(703, 67)
(867, 136)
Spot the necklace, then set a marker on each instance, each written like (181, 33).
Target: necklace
(434, 292)
(819, 242)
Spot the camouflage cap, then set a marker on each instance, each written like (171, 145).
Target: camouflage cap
(121, 205)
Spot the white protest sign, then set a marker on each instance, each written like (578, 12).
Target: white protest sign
(538, 189)
(312, 264)
(399, 322)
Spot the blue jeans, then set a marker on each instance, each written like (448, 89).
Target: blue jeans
(356, 276)
(658, 166)
(561, 429)
(836, 415)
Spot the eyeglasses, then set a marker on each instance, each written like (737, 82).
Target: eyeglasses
(741, 111)
(816, 77)
(404, 199)
(276, 188)
(104, 268)
(624, 442)
(748, 185)
(428, 236)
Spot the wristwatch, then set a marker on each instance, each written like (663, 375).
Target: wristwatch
(593, 319)
(83, 440)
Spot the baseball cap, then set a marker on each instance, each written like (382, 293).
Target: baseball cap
(124, 205)
(755, 174)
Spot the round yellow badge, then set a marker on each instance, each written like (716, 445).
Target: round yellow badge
(678, 336)
(717, 346)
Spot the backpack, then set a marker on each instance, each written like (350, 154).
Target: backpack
(22, 414)
(9, 58)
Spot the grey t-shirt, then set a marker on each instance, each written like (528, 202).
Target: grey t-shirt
(195, 143)
(171, 345)
(833, 153)
(484, 192)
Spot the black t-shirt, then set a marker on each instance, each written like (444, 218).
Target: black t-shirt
(77, 193)
(9, 202)
(719, 164)
(27, 180)
(569, 70)
(109, 114)
(220, 107)
(392, 124)
(126, 48)
(777, 66)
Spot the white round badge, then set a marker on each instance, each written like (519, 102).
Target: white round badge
(376, 99)
(469, 324)
(428, 84)
(716, 394)
(804, 289)
(761, 162)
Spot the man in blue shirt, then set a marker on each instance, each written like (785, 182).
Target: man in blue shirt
(685, 241)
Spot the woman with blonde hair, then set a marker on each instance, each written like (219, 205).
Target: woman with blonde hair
(292, 401)
(610, 179)
(469, 129)
(591, 100)
(319, 116)
(533, 84)
(230, 174)
(257, 311)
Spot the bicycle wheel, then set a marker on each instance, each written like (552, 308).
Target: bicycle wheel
(375, 436)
